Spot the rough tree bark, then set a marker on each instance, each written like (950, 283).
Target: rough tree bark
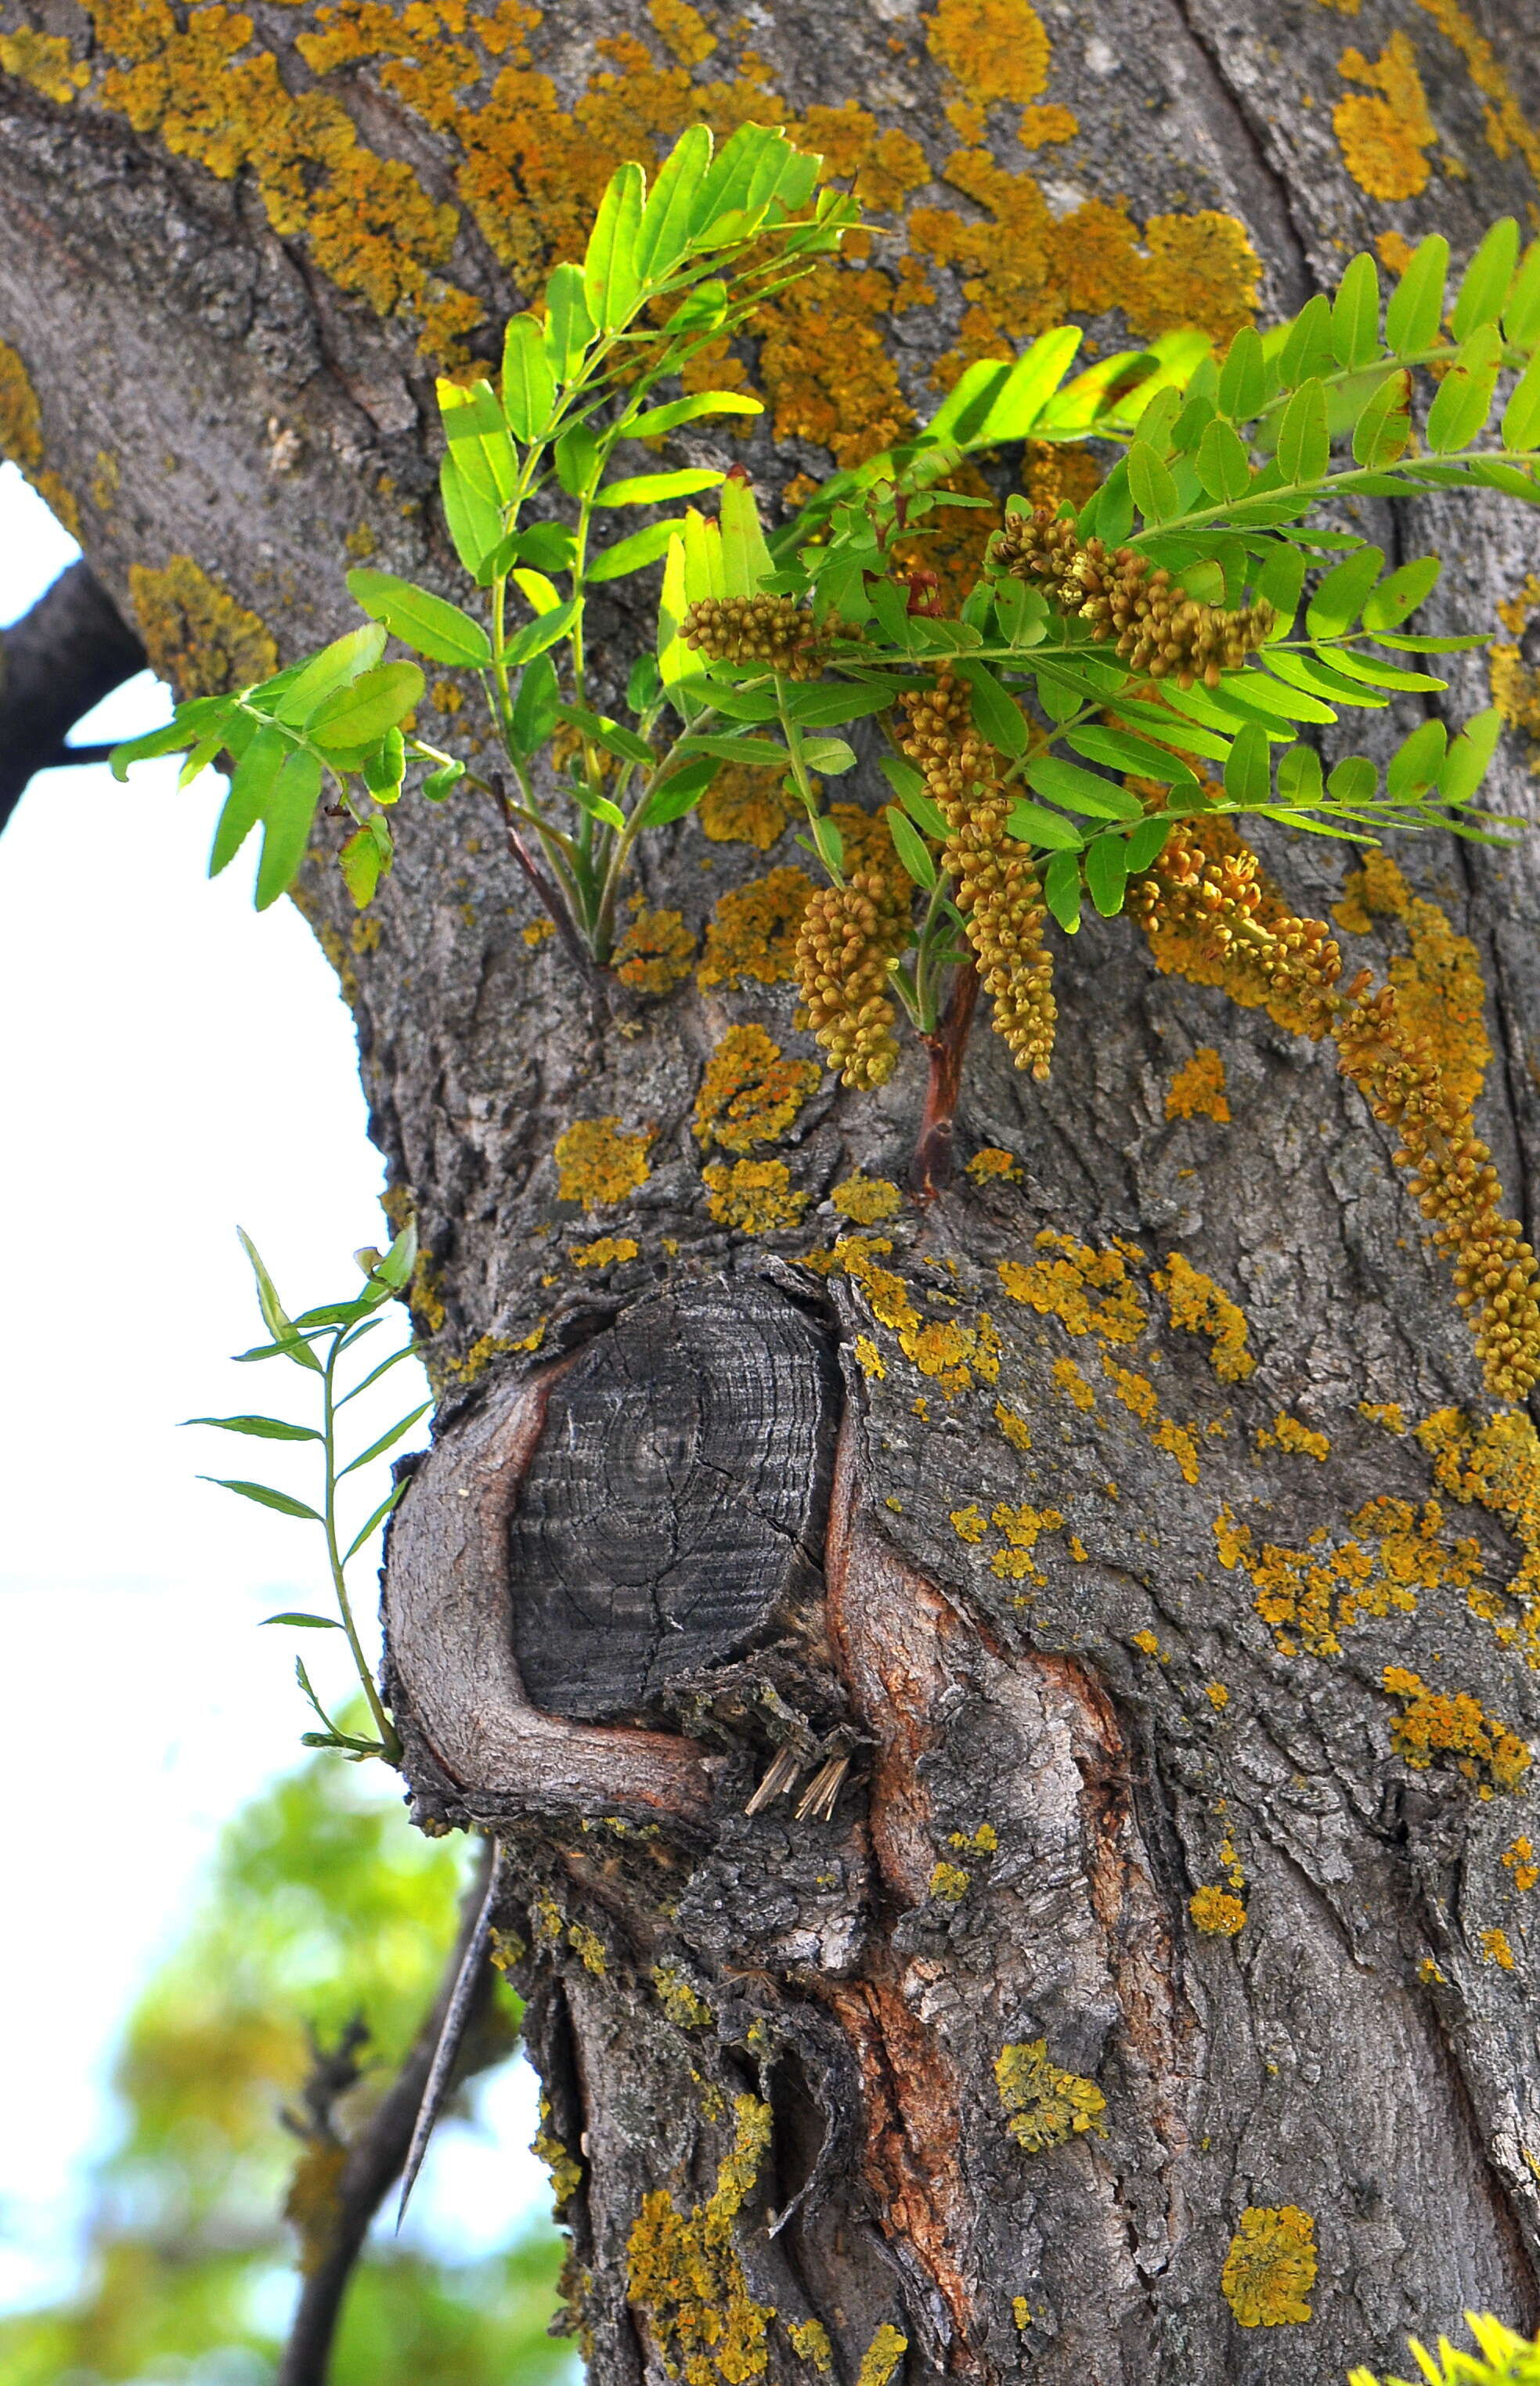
(693, 1504)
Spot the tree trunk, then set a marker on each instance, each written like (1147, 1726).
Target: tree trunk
(1055, 1594)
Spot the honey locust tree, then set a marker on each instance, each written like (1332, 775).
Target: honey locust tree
(984, 1586)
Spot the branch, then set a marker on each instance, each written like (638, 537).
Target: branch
(59, 660)
(374, 2160)
(931, 1167)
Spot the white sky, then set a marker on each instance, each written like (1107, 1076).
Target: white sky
(170, 1065)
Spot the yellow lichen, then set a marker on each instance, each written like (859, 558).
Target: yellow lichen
(948, 1884)
(1198, 1088)
(685, 2277)
(655, 953)
(1436, 1723)
(1270, 2266)
(565, 2169)
(1515, 687)
(1195, 1304)
(1382, 140)
(749, 1093)
(1216, 1694)
(1429, 1974)
(589, 1948)
(597, 1165)
(683, 30)
(996, 49)
(537, 931)
(1288, 1433)
(1021, 1527)
(756, 1196)
(1177, 1441)
(1147, 1642)
(866, 1200)
(970, 1524)
(882, 2356)
(1088, 1291)
(1520, 1861)
(744, 808)
(1508, 129)
(1318, 1593)
(1067, 1376)
(1497, 1466)
(313, 2204)
(195, 634)
(753, 931)
(1388, 1413)
(870, 1359)
(605, 1250)
(1046, 2106)
(1136, 1392)
(1216, 1913)
(684, 2008)
(21, 415)
(1495, 1947)
(1016, 1429)
(990, 1164)
(43, 60)
(809, 2342)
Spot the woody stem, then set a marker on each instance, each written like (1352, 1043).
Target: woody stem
(931, 1165)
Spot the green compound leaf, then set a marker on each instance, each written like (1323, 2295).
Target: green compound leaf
(1416, 307)
(360, 715)
(1464, 397)
(1243, 385)
(1061, 890)
(288, 813)
(264, 1497)
(1032, 825)
(612, 279)
(265, 1429)
(249, 789)
(1080, 791)
(334, 669)
(656, 488)
(569, 327)
(1484, 286)
(308, 1622)
(1222, 462)
(1401, 591)
(428, 623)
(1154, 490)
(659, 418)
(1248, 771)
(1337, 602)
(1308, 348)
(1356, 315)
(528, 384)
(911, 846)
(1304, 442)
(1521, 414)
(1522, 314)
(1466, 763)
(667, 217)
(1105, 867)
(1417, 762)
(1121, 752)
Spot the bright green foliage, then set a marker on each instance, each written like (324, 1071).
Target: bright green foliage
(1503, 2359)
(320, 1907)
(316, 1342)
(1225, 471)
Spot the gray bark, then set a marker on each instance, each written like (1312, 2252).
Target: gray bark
(702, 1533)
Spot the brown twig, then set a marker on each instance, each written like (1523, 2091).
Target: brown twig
(543, 886)
(374, 2159)
(931, 1166)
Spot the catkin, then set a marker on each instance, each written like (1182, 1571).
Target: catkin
(1155, 626)
(769, 629)
(843, 948)
(1207, 910)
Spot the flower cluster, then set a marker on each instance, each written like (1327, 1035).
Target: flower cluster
(996, 888)
(847, 935)
(769, 629)
(1154, 625)
(1211, 916)
(1398, 1072)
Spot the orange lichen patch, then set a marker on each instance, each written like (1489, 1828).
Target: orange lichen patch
(996, 49)
(597, 1165)
(1178, 1443)
(1388, 1413)
(949, 1352)
(744, 808)
(1495, 1947)
(43, 60)
(1382, 140)
(756, 1196)
(1497, 1466)
(990, 1164)
(1507, 126)
(1520, 1861)
(1071, 1382)
(1016, 1429)
(655, 953)
(883, 166)
(1515, 687)
(1040, 128)
(1196, 1305)
(1021, 1527)
(866, 1200)
(1395, 251)
(824, 365)
(870, 1359)
(683, 30)
(1216, 1913)
(1136, 1392)
(1146, 1641)
(1270, 2266)
(1088, 1291)
(751, 1092)
(753, 931)
(1216, 1694)
(1024, 270)
(1045, 2106)
(607, 1251)
(366, 220)
(1289, 1434)
(1054, 470)
(1434, 1722)
(1198, 1088)
(195, 634)
(1440, 992)
(1318, 1594)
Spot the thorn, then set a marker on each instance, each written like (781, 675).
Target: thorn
(784, 1770)
(817, 1800)
(450, 2038)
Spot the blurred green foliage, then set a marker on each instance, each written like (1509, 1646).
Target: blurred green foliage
(323, 1904)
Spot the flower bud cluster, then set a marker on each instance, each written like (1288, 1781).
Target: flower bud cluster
(997, 890)
(1212, 917)
(769, 629)
(1397, 1070)
(1156, 627)
(847, 935)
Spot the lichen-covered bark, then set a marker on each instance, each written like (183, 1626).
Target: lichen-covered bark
(1123, 1976)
